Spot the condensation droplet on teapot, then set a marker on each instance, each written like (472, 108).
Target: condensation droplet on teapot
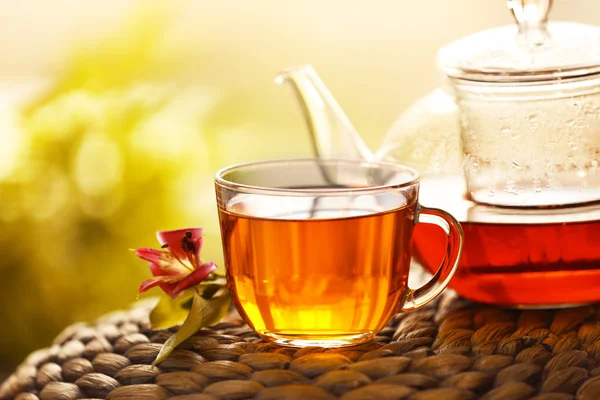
(537, 184)
(473, 163)
(533, 118)
(577, 103)
(591, 110)
(516, 166)
(549, 175)
(573, 145)
(510, 186)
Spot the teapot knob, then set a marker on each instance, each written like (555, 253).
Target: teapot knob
(531, 17)
(530, 12)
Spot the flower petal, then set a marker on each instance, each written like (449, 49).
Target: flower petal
(164, 260)
(195, 277)
(195, 258)
(166, 283)
(150, 283)
(173, 240)
(157, 270)
(152, 255)
(169, 289)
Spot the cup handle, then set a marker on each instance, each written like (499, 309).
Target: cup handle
(419, 297)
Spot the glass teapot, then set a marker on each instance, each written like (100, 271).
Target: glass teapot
(510, 145)
(520, 114)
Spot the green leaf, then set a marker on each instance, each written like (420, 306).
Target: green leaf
(169, 312)
(204, 312)
(208, 291)
(214, 279)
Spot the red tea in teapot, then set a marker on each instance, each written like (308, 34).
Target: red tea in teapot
(531, 258)
(549, 264)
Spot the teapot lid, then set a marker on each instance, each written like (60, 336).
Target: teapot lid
(532, 50)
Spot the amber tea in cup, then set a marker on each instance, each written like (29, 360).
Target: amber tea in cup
(318, 252)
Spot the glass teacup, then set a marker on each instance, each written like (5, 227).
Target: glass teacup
(318, 252)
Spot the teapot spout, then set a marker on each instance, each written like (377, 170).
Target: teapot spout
(332, 133)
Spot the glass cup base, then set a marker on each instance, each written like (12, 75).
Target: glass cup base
(323, 340)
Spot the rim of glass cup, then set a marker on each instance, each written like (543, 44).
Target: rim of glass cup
(274, 191)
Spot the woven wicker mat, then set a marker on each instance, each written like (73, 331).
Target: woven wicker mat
(450, 350)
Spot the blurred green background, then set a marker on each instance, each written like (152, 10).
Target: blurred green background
(115, 115)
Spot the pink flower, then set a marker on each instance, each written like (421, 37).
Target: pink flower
(177, 266)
